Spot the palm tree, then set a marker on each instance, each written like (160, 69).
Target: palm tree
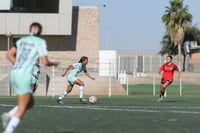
(167, 48)
(176, 19)
(192, 34)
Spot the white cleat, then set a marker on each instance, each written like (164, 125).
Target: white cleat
(83, 100)
(5, 119)
(59, 101)
(160, 99)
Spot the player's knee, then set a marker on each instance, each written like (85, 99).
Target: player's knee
(68, 91)
(82, 84)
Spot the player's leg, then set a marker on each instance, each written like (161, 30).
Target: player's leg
(163, 86)
(24, 102)
(81, 88)
(14, 109)
(162, 90)
(7, 116)
(65, 93)
(70, 81)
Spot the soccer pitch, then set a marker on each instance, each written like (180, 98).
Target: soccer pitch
(116, 114)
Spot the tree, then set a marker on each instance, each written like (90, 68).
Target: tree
(177, 19)
(167, 48)
(192, 34)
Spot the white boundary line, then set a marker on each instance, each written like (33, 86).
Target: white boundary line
(122, 108)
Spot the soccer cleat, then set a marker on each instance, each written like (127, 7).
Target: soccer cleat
(160, 99)
(83, 100)
(59, 101)
(5, 119)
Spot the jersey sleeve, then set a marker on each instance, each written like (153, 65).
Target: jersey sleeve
(43, 49)
(176, 68)
(162, 67)
(75, 65)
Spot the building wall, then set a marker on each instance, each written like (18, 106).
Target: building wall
(85, 35)
(194, 60)
(84, 39)
(53, 23)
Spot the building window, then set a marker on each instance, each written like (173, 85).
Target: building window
(34, 6)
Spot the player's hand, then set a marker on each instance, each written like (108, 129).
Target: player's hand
(63, 75)
(92, 78)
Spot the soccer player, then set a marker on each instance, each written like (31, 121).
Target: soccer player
(27, 50)
(167, 77)
(35, 75)
(72, 78)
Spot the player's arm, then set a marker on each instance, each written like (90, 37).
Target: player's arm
(87, 73)
(160, 70)
(11, 55)
(46, 61)
(67, 69)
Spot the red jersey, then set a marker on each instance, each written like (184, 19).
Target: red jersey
(168, 71)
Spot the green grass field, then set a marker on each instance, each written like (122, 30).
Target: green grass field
(116, 114)
(147, 89)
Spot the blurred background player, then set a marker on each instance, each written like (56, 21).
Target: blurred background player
(35, 75)
(167, 76)
(72, 78)
(24, 56)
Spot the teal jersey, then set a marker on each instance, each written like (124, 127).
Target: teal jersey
(77, 68)
(29, 49)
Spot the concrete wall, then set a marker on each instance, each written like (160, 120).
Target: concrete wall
(83, 41)
(85, 35)
(194, 60)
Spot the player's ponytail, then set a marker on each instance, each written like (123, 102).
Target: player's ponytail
(83, 58)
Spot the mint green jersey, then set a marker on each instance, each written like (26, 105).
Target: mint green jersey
(77, 68)
(29, 49)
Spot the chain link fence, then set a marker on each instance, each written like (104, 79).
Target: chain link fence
(51, 82)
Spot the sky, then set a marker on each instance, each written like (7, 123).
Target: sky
(134, 25)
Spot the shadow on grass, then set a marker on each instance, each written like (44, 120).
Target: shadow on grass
(173, 101)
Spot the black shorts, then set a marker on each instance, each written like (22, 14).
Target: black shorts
(162, 82)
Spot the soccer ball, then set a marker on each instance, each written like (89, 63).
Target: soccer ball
(92, 99)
